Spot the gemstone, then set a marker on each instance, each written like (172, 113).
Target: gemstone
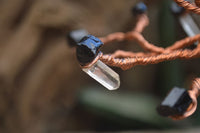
(104, 75)
(175, 103)
(75, 36)
(189, 26)
(87, 49)
(176, 9)
(139, 8)
(185, 19)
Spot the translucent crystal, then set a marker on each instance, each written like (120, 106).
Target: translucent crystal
(104, 75)
(188, 24)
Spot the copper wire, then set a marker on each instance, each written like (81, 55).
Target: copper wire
(93, 62)
(169, 53)
(127, 63)
(142, 22)
(154, 54)
(122, 54)
(189, 6)
(197, 2)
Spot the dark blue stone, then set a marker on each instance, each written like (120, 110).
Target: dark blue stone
(88, 49)
(73, 37)
(139, 8)
(176, 9)
(175, 103)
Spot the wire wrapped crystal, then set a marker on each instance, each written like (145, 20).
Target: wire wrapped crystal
(87, 51)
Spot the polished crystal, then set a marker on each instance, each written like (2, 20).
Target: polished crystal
(104, 75)
(175, 103)
(188, 24)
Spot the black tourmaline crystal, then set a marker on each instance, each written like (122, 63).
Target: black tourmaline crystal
(88, 49)
(176, 102)
(140, 8)
(176, 9)
(73, 37)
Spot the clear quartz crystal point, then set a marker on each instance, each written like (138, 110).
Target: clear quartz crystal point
(188, 24)
(104, 75)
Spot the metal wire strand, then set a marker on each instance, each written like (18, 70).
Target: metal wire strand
(183, 43)
(156, 50)
(197, 2)
(189, 6)
(142, 22)
(124, 54)
(134, 35)
(127, 63)
(126, 59)
(154, 54)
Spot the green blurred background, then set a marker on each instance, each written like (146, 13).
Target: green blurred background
(42, 87)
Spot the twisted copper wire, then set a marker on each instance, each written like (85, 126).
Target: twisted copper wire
(123, 54)
(127, 63)
(189, 6)
(135, 34)
(194, 92)
(184, 43)
(197, 2)
(143, 42)
(155, 54)
(142, 22)
(170, 53)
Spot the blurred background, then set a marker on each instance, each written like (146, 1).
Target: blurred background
(43, 89)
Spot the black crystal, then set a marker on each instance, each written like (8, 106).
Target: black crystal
(139, 8)
(175, 103)
(73, 37)
(176, 9)
(88, 49)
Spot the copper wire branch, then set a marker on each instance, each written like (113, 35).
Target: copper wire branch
(135, 34)
(154, 54)
(197, 2)
(190, 6)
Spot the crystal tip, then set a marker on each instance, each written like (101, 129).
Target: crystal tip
(117, 85)
(104, 75)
